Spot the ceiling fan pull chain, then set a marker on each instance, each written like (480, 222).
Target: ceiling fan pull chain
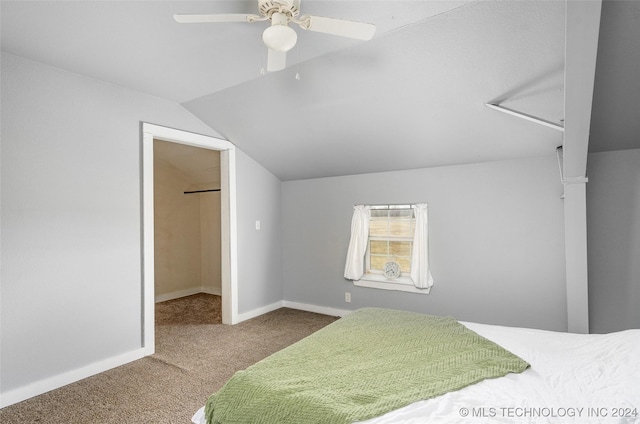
(297, 63)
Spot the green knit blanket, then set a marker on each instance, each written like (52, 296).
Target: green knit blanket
(368, 363)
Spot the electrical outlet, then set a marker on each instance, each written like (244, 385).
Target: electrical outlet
(347, 297)
(257, 225)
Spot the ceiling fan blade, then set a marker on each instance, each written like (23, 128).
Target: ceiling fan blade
(351, 29)
(276, 61)
(229, 17)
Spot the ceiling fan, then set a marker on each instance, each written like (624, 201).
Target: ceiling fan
(279, 37)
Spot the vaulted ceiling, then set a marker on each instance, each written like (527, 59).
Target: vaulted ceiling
(412, 97)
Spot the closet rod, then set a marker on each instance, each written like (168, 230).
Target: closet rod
(201, 191)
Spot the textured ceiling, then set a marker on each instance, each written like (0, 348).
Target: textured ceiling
(412, 97)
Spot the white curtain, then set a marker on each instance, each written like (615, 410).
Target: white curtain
(420, 273)
(354, 268)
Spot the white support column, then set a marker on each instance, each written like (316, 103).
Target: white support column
(575, 230)
(581, 45)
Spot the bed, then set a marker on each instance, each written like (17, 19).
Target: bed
(509, 375)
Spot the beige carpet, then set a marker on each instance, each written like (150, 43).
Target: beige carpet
(195, 355)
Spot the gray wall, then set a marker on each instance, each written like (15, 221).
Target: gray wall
(613, 222)
(259, 251)
(71, 220)
(496, 240)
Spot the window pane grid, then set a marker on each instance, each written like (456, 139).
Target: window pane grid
(391, 232)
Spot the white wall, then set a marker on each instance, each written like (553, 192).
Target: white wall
(496, 240)
(613, 226)
(71, 224)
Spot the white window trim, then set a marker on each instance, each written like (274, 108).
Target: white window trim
(376, 281)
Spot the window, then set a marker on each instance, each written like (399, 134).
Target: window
(391, 230)
(389, 248)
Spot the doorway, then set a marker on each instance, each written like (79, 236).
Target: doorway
(187, 221)
(228, 253)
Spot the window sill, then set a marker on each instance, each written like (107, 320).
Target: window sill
(376, 281)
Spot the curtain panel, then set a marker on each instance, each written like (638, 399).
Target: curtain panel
(354, 268)
(420, 273)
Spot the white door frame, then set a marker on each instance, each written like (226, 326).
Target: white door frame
(228, 223)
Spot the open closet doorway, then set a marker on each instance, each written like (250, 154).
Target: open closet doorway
(187, 234)
(195, 175)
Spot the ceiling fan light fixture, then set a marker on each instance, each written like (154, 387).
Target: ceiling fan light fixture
(280, 37)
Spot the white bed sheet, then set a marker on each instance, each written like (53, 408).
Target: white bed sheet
(573, 378)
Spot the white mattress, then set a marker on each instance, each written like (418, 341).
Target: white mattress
(573, 378)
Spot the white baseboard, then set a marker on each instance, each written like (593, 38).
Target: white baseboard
(187, 292)
(211, 290)
(46, 385)
(293, 305)
(325, 310)
(260, 311)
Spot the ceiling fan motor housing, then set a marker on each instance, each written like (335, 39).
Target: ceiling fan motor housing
(291, 8)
